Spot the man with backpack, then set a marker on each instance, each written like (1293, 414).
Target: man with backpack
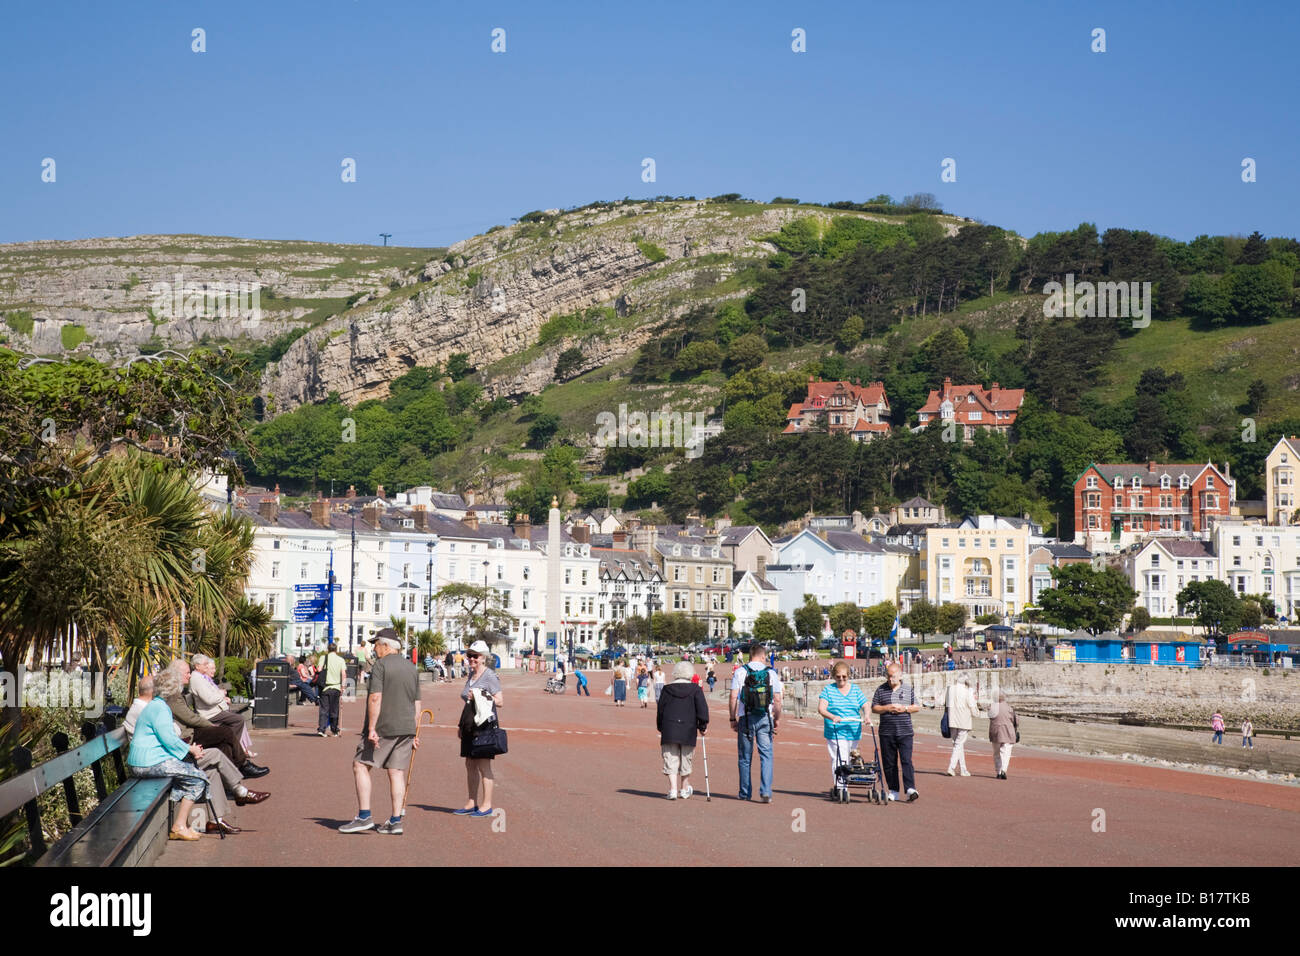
(755, 711)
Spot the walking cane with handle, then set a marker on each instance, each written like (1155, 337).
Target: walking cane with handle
(708, 797)
(409, 769)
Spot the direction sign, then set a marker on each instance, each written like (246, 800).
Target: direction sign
(319, 588)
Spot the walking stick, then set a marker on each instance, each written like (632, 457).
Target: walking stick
(708, 797)
(409, 769)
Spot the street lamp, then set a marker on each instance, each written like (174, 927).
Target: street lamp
(571, 631)
(487, 602)
(352, 577)
(429, 608)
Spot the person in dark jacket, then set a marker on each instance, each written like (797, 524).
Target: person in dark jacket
(682, 712)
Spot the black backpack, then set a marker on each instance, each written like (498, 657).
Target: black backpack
(756, 694)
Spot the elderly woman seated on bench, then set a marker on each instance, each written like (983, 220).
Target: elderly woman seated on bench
(157, 751)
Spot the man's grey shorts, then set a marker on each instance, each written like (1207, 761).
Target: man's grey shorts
(391, 753)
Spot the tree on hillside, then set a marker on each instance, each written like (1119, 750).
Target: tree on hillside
(1081, 597)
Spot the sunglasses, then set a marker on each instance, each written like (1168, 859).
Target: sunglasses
(473, 657)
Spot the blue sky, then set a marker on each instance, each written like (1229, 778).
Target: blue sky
(449, 138)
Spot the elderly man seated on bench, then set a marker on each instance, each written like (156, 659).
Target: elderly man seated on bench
(204, 732)
(222, 775)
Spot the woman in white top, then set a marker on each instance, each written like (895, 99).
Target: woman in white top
(658, 681)
(962, 709)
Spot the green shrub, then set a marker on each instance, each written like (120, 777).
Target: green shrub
(238, 670)
(72, 335)
(651, 251)
(20, 321)
(570, 360)
(473, 278)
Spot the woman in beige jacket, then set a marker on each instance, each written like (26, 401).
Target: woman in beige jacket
(1004, 730)
(962, 710)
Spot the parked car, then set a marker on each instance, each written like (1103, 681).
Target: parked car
(804, 644)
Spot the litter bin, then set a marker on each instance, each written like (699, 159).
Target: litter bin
(352, 680)
(271, 695)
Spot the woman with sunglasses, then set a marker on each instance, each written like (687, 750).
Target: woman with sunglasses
(478, 770)
(843, 707)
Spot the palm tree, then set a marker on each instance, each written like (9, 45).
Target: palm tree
(399, 625)
(249, 631)
(138, 646)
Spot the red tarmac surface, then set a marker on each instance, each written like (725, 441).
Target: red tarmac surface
(583, 784)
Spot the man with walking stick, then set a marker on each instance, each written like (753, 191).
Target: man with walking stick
(388, 738)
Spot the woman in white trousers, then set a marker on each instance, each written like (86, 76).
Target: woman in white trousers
(962, 710)
(1004, 730)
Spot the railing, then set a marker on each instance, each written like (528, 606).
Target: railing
(102, 740)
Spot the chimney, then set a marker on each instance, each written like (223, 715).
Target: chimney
(379, 491)
(277, 492)
(267, 508)
(352, 491)
(421, 515)
(471, 497)
(581, 533)
(320, 513)
(620, 538)
(523, 526)
(370, 515)
(1151, 467)
(632, 524)
(471, 519)
(760, 567)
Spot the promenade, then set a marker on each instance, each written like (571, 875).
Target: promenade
(582, 785)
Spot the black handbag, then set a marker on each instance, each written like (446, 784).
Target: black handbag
(489, 741)
(944, 729)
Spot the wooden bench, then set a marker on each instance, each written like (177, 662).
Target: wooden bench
(129, 826)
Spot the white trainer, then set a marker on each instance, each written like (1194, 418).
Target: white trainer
(687, 791)
(672, 794)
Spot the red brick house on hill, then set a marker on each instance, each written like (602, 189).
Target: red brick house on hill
(860, 411)
(972, 407)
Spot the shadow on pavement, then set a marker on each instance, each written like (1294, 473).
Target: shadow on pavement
(659, 795)
(333, 824)
(432, 809)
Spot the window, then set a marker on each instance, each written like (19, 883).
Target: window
(1136, 482)
(978, 542)
(361, 600)
(270, 603)
(717, 575)
(1259, 541)
(275, 569)
(406, 572)
(961, 542)
(275, 544)
(568, 606)
(944, 542)
(501, 573)
(699, 574)
(406, 546)
(379, 603)
(1236, 541)
(451, 571)
(379, 571)
(1092, 481)
(302, 571)
(568, 575)
(584, 577)
(1155, 560)
(1119, 501)
(974, 416)
(1164, 481)
(1118, 483)
(1182, 482)
(1011, 544)
(526, 571)
(1209, 481)
(524, 599)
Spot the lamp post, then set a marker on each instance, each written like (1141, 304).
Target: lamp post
(352, 577)
(429, 608)
(536, 631)
(487, 600)
(571, 632)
